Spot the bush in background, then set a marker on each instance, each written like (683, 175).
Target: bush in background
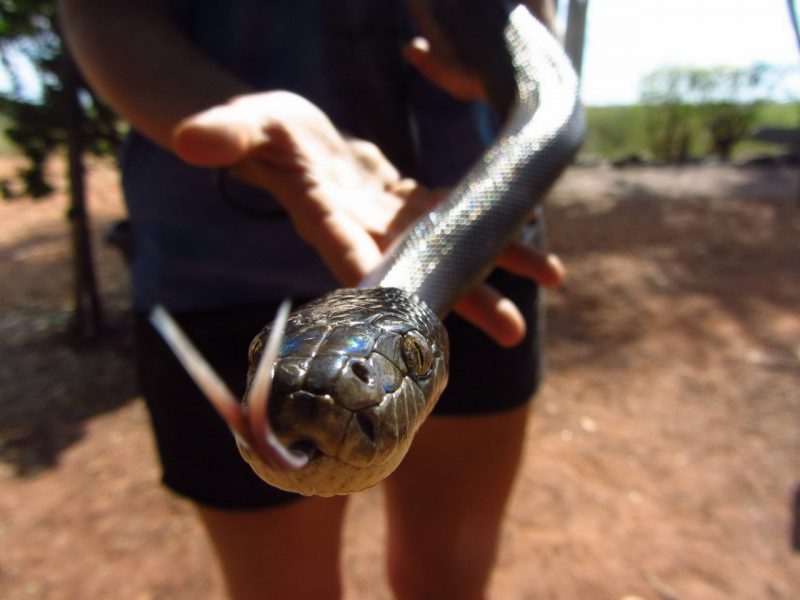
(39, 124)
(685, 108)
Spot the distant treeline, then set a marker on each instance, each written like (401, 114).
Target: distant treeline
(623, 132)
(687, 114)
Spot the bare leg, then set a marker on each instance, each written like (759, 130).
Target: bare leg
(287, 552)
(446, 503)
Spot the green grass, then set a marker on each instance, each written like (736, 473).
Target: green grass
(770, 115)
(779, 115)
(616, 132)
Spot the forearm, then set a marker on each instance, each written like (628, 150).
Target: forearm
(134, 57)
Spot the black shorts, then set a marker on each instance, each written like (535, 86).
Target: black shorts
(199, 457)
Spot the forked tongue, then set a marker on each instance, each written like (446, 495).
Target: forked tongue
(250, 426)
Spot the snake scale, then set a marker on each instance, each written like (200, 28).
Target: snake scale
(338, 389)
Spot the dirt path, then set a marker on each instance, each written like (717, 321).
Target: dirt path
(662, 456)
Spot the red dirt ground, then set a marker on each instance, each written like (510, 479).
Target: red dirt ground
(663, 456)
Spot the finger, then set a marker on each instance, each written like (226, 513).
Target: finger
(373, 161)
(494, 314)
(218, 137)
(345, 247)
(545, 269)
(444, 74)
(417, 200)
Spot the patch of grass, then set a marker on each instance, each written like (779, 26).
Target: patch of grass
(617, 132)
(769, 115)
(779, 115)
(614, 132)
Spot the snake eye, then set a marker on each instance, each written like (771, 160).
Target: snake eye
(417, 354)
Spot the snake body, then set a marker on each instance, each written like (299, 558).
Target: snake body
(358, 370)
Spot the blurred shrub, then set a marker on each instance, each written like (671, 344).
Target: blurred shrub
(37, 121)
(683, 106)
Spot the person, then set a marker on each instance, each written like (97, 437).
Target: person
(301, 208)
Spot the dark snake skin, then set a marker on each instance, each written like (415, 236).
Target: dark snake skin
(357, 373)
(358, 370)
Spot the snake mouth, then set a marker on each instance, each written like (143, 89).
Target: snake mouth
(328, 440)
(307, 448)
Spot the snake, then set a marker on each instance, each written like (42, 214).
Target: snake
(338, 388)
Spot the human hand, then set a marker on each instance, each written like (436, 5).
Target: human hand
(343, 196)
(432, 56)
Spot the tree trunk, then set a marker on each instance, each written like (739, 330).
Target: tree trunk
(87, 323)
(795, 23)
(796, 28)
(576, 32)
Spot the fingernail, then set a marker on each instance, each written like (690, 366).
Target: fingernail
(514, 324)
(559, 271)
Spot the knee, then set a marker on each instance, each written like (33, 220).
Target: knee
(415, 575)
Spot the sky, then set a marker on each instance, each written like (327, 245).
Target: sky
(627, 39)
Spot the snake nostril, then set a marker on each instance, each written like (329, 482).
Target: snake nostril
(367, 426)
(362, 371)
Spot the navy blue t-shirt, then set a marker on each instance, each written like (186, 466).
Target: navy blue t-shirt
(195, 250)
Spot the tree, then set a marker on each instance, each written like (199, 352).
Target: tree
(65, 115)
(669, 120)
(727, 103)
(721, 103)
(38, 126)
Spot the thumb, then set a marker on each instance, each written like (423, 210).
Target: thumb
(218, 137)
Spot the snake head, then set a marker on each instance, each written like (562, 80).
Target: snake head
(357, 372)
(336, 391)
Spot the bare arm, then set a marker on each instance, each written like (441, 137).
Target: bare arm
(135, 58)
(170, 91)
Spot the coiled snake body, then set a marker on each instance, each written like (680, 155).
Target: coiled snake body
(357, 371)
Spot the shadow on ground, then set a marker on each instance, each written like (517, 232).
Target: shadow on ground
(734, 248)
(51, 387)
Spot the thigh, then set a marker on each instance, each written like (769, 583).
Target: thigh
(446, 500)
(446, 503)
(268, 541)
(287, 552)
